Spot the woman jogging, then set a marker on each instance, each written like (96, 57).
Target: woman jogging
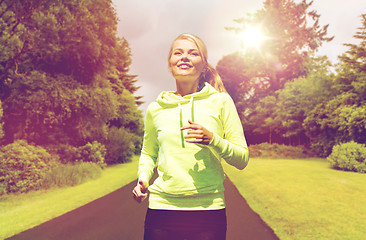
(187, 134)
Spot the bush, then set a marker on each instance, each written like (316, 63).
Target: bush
(23, 167)
(91, 152)
(71, 174)
(349, 156)
(266, 150)
(66, 153)
(121, 145)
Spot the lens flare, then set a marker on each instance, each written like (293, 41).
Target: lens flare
(252, 37)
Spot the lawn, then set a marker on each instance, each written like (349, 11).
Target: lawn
(23, 211)
(299, 199)
(304, 198)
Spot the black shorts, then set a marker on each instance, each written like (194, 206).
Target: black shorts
(188, 225)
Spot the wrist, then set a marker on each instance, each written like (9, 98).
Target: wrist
(144, 177)
(211, 136)
(212, 140)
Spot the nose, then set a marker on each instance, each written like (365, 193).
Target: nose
(184, 57)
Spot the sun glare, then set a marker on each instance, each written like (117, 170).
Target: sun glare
(252, 37)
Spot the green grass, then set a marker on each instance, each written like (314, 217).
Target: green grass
(304, 199)
(23, 211)
(299, 199)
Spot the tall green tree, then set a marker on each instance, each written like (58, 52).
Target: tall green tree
(355, 57)
(64, 75)
(293, 34)
(352, 69)
(342, 117)
(299, 97)
(266, 122)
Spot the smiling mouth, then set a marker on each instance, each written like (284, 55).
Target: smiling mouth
(184, 66)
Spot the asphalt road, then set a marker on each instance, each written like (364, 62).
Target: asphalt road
(118, 216)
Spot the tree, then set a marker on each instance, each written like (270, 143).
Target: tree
(342, 118)
(292, 33)
(351, 87)
(355, 57)
(232, 69)
(265, 119)
(327, 123)
(301, 96)
(64, 77)
(352, 68)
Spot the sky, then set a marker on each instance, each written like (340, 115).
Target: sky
(151, 26)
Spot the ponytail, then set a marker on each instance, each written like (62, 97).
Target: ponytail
(212, 77)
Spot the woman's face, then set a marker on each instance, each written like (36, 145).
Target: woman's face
(185, 62)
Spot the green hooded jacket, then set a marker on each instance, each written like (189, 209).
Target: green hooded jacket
(190, 175)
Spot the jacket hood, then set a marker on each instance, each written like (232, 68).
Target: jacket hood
(170, 99)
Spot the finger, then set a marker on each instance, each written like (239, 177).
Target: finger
(140, 189)
(138, 196)
(135, 196)
(194, 140)
(186, 127)
(198, 136)
(199, 131)
(143, 186)
(192, 126)
(141, 195)
(195, 125)
(142, 198)
(136, 192)
(196, 132)
(203, 140)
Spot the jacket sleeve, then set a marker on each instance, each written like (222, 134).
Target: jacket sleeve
(150, 149)
(232, 147)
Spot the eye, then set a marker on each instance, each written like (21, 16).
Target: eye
(195, 53)
(177, 53)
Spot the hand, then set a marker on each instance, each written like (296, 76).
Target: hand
(140, 191)
(197, 133)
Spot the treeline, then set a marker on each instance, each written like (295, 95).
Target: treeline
(284, 93)
(64, 83)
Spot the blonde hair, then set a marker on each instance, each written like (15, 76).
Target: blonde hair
(210, 75)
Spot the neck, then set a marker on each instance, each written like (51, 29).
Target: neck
(186, 88)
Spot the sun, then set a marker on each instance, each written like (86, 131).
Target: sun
(252, 37)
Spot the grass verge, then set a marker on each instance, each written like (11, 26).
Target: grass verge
(304, 198)
(23, 211)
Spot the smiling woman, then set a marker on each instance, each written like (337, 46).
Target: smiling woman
(186, 200)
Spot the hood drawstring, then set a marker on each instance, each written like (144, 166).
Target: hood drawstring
(181, 118)
(192, 109)
(181, 124)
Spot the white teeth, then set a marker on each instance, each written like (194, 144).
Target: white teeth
(184, 66)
